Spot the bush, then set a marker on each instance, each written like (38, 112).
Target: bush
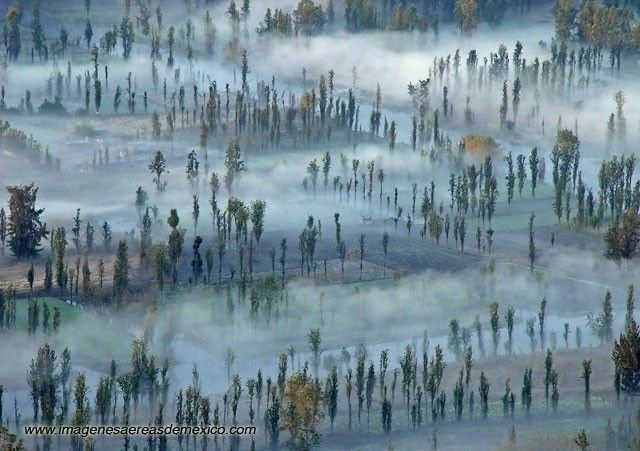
(54, 107)
(84, 130)
(479, 144)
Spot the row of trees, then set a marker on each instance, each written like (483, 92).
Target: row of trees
(296, 401)
(25, 146)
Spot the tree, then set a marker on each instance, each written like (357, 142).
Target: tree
(36, 30)
(526, 390)
(581, 440)
(361, 243)
(493, 12)
(25, 228)
(106, 235)
(195, 211)
(309, 18)
(283, 258)
(504, 106)
(495, 325)
(331, 394)
(196, 262)
(81, 415)
(156, 128)
(86, 277)
(170, 44)
(509, 317)
(462, 231)
(126, 36)
(386, 413)
(515, 101)
(3, 229)
(484, 395)
(272, 420)
(117, 99)
(586, 376)
(11, 32)
(258, 208)
(326, 166)
(233, 164)
(59, 246)
(76, 230)
(532, 244)
(392, 134)
(370, 386)
(120, 271)
(521, 173)
(564, 16)
(176, 240)
(302, 412)
(141, 200)
(466, 13)
(43, 381)
(158, 167)
(453, 339)
(233, 14)
(313, 169)
(88, 233)
(542, 313)
(622, 238)
(48, 275)
(533, 168)
(548, 374)
(385, 247)
(55, 319)
(193, 166)
(315, 340)
(626, 358)
(30, 276)
(601, 325)
(630, 306)
(88, 33)
(607, 317)
(511, 178)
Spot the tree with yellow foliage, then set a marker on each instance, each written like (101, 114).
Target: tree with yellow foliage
(466, 12)
(302, 411)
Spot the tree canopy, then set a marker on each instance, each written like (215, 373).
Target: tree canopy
(26, 229)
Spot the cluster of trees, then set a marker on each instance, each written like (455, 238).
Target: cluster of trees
(23, 230)
(363, 15)
(366, 15)
(57, 46)
(278, 21)
(621, 197)
(565, 158)
(55, 398)
(605, 26)
(307, 19)
(7, 308)
(50, 317)
(18, 142)
(296, 401)
(260, 120)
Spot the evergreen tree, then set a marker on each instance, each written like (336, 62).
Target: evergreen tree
(626, 359)
(25, 228)
(120, 271)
